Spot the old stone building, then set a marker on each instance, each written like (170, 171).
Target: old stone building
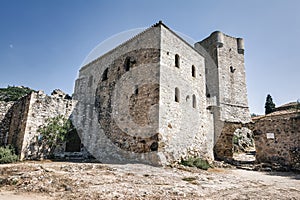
(156, 99)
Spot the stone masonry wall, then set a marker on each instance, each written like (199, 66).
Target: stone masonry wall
(277, 139)
(225, 79)
(40, 108)
(232, 80)
(20, 120)
(18, 123)
(123, 130)
(226, 76)
(5, 117)
(223, 150)
(116, 115)
(184, 126)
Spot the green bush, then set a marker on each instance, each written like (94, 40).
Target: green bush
(53, 133)
(196, 162)
(7, 155)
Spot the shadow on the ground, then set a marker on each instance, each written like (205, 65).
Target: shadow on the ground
(292, 175)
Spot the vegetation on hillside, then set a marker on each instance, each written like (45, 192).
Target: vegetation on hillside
(13, 93)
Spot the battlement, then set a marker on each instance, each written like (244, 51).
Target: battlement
(218, 39)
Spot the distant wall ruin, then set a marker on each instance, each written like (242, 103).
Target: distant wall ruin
(20, 120)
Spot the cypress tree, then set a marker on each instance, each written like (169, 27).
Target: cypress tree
(269, 105)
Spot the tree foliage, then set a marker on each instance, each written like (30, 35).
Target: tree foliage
(54, 133)
(269, 105)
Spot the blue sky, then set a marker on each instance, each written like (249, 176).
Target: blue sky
(43, 42)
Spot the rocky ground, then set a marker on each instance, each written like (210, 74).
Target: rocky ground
(65, 180)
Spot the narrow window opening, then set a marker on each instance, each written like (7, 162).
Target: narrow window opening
(177, 60)
(193, 71)
(177, 95)
(187, 98)
(232, 70)
(194, 101)
(136, 91)
(104, 75)
(127, 64)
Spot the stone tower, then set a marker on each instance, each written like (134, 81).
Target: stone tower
(225, 75)
(225, 84)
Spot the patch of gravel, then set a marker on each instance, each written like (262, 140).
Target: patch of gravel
(62, 180)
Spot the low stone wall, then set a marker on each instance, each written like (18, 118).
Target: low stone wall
(277, 139)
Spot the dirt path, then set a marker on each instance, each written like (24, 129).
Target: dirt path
(10, 195)
(56, 180)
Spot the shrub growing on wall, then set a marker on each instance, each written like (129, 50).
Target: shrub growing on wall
(53, 134)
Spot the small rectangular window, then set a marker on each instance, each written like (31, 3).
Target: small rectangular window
(193, 71)
(177, 95)
(177, 60)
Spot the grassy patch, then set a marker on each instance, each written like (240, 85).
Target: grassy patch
(196, 162)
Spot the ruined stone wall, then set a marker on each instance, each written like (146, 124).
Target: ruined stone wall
(223, 149)
(5, 116)
(277, 139)
(117, 113)
(19, 114)
(20, 120)
(184, 126)
(40, 108)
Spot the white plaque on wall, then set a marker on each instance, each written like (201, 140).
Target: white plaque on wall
(270, 136)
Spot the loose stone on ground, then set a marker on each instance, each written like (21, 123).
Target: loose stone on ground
(57, 180)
